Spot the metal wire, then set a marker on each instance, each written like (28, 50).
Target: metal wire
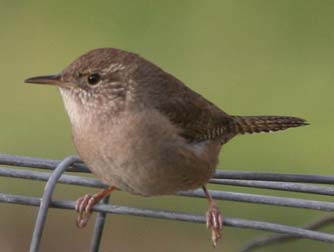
(221, 195)
(231, 178)
(169, 215)
(272, 239)
(45, 202)
(282, 186)
(49, 164)
(98, 228)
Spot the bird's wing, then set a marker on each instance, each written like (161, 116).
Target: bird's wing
(197, 118)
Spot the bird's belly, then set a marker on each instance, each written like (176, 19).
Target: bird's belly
(156, 177)
(153, 179)
(148, 157)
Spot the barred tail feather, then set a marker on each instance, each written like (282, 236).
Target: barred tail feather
(257, 124)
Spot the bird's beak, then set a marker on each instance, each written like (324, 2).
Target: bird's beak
(47, 79)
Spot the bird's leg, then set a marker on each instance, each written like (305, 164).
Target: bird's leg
(85, 204)
(214, 218)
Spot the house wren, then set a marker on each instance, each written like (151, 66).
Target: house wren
(143, 131)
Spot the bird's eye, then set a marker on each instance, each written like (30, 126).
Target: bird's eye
(93, 79)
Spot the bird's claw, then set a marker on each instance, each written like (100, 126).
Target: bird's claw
(214, 221)
(84, 207)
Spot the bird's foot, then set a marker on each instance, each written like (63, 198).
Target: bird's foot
(85, 204)
(84, 207)
(214, 221)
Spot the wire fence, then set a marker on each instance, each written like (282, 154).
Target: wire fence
(310, 184)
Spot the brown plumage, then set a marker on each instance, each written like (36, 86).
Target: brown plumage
(258, 124)
(142, 130)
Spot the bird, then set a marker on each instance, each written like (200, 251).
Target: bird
(142, 130)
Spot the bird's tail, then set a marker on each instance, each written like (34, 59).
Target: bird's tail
(257, 124)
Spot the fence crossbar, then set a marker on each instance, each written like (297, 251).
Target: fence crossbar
(169, 215)
(220, 195)
(41, 163)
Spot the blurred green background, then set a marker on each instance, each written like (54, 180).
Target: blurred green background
(248, 57)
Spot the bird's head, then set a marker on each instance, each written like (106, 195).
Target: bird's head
(97, 80)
